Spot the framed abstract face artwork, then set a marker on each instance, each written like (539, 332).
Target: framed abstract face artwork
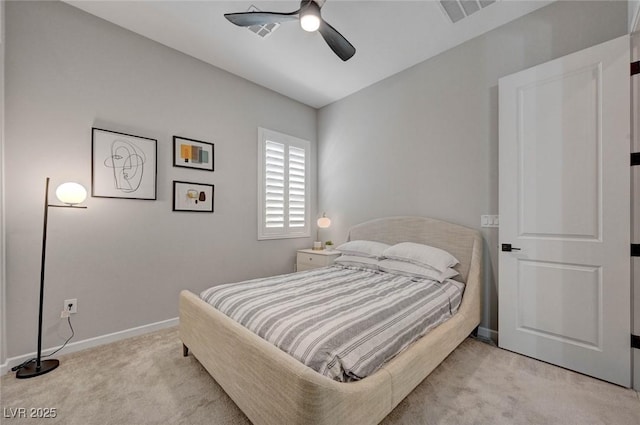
(123, 165)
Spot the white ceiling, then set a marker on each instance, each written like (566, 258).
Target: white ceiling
(389, 37)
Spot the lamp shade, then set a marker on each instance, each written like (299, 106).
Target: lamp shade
(324, 222)
(71, 193)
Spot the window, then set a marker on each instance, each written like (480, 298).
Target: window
(283, 182)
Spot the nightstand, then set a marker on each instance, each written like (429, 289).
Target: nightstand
(308, 259)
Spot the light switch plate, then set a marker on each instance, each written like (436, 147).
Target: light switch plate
(490, 221)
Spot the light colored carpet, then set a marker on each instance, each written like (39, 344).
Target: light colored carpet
(145, 380)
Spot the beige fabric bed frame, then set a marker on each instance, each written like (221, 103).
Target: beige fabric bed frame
(271, 387)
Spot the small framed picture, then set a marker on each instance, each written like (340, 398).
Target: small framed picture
(191, 153)
(123, 165)
(194, 197)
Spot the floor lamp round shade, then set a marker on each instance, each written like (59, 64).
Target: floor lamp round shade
(71, 193)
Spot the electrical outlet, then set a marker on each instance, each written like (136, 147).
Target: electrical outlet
(73, 302)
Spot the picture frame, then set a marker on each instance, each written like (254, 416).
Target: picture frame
(123, 165)
(193, 197)
(191, 153)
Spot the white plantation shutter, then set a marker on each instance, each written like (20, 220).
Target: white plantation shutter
(283, 204)
(274, 186)
(297, 187)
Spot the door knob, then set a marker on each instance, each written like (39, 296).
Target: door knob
(506, 247)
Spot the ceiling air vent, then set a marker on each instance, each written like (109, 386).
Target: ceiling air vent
(262, 30)
(460, 9)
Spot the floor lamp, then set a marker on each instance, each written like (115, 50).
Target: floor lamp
(70, 194)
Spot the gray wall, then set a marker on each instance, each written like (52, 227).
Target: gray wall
(425, 141)
(126, 260)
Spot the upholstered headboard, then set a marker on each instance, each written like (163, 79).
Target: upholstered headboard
(455, 239)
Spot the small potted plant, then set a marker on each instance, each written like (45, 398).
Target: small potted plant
(328, 245)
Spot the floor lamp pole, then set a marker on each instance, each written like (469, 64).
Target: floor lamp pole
(41, 367)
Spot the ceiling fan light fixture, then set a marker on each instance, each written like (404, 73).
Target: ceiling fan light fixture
(310, 17)
(310, 23)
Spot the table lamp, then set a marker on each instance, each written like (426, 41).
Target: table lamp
(323, 223)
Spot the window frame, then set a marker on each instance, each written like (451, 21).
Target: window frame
(286, 232)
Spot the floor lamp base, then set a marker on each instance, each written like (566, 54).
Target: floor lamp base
(30, 370)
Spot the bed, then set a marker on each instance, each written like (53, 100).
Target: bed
(271, 387)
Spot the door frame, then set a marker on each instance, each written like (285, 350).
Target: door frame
(635, 206)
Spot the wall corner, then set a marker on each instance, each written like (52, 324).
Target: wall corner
(634, 16)
(3, 327)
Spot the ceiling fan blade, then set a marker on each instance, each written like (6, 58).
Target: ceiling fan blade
(336, 41)
(248, 19)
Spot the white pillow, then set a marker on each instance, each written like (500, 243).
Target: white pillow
(353, 261)
(369, 249)
(422, 255)
(414, 270)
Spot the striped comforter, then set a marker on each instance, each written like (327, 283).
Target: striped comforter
(342, 322)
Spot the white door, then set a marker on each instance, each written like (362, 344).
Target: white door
(564, 297)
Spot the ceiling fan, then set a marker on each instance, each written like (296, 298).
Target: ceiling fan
(310, 20)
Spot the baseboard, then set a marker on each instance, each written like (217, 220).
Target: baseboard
(489, 334)
(92, 342)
